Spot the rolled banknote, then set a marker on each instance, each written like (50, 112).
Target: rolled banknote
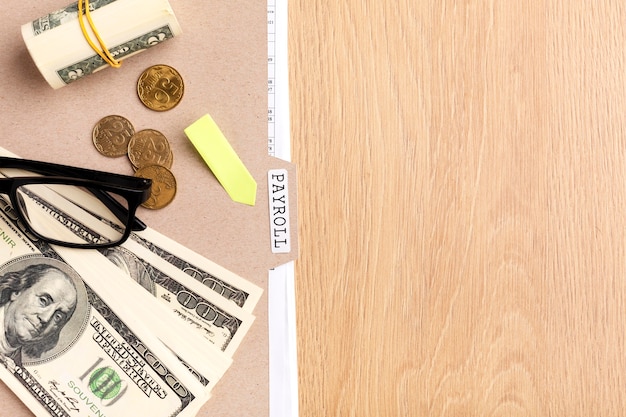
(71, 349)
(60, 51)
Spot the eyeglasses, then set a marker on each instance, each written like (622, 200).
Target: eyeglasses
(73, 207)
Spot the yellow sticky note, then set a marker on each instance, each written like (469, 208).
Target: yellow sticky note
(210, 142)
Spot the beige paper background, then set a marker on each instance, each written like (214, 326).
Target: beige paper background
(222, 56)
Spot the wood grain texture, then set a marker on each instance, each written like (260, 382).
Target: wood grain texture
(462, 207)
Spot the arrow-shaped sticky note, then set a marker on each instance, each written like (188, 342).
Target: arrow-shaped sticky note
(210, 142)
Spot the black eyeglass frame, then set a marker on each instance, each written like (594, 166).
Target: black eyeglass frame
(135, 190)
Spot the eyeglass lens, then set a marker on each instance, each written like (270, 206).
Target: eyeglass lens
(72, 214)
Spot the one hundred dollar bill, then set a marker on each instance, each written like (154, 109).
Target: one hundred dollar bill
(202, 310)
(223, 282)
(199, 356)
(68, 348)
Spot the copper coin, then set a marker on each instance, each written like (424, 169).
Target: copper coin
(160, 87)
(149, 147)
(111, 135)
(163, 185)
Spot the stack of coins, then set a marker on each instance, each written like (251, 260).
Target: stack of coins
(148, 150)
(160, 88)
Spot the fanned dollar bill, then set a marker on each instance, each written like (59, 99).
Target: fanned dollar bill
(223, 282)
(202, 359)
(69, 348)
(202, 310)
(127, 27)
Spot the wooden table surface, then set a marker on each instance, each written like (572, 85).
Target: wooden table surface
(461, 207)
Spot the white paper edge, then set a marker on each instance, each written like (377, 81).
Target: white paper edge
(283, 356)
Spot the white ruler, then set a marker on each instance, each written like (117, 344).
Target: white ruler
(279, 143)
(271, 76)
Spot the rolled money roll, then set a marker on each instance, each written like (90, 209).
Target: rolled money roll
(60, 51)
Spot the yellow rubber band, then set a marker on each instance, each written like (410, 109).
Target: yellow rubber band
(103, 52)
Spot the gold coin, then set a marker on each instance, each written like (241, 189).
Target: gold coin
(111, 135)
(149, 147)
(160, 87)
(163, 185)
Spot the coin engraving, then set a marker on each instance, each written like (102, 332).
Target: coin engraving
(112, 134)
(163, 185)
(149, 147)
(160, 87)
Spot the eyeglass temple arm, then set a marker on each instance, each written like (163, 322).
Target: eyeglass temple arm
(48, 168)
